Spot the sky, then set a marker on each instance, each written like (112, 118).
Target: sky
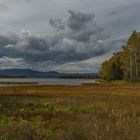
(64, 35)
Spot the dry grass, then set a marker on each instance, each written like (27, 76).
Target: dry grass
(106, 111)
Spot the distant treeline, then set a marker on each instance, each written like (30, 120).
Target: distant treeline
(80, 76)
(124, 64)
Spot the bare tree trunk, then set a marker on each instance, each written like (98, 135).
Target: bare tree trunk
(136, 66)
(131, 71)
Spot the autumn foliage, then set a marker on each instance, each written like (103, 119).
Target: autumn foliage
(124, 64)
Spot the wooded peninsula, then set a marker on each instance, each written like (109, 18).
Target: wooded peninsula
(125, 64)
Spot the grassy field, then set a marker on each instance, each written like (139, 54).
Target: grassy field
(106, 111)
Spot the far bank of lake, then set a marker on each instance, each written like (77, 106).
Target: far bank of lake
(44, 81)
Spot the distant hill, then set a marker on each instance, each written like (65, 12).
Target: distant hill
(28, 73)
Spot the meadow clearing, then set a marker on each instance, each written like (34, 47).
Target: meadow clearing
(105, 111)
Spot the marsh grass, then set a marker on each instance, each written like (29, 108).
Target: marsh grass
(106, 111)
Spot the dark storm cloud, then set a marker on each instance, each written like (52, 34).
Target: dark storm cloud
(57, 23)
(78, 21)
(69, 41)
(77, 39)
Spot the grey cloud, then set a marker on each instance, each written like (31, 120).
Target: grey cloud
(57, 23)
(113, 13)
(28, 1)
(78, 21)
(126, 19)
(71, 43)
(6, 62)
(3, 7)
(73, 40)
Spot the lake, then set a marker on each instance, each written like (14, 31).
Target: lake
(45, 81)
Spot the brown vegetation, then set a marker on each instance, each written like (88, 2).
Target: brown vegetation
(106, 111)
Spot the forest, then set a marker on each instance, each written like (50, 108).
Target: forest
(125, 64)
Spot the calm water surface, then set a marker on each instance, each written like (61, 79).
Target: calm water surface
(47, 81)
